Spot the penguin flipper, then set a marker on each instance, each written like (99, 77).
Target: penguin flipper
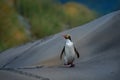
(77, 53)
(62, 52)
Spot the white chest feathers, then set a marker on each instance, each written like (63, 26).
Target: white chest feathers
(69, 43)
(69, 49)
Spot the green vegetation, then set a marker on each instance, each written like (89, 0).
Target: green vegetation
(77, 14)
(11, 31)
(46, 17)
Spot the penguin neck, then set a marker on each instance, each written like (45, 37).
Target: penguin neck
(68, 41)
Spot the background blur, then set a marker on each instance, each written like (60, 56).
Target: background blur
(26, 20)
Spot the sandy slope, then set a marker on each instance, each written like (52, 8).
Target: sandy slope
(97, 42)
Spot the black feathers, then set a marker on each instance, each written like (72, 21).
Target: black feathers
(77, 53)
(62, 52)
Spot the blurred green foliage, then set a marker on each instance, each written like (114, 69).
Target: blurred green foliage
(11, 31)
(46, 17)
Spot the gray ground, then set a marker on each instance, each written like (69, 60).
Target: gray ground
(98, 45)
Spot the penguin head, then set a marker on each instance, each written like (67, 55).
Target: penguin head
(67, 36)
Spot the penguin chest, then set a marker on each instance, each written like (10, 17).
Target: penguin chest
(69, 51)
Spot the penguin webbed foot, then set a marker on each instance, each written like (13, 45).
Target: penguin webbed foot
(70, 64)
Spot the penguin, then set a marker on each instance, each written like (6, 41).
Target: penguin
(69, 52)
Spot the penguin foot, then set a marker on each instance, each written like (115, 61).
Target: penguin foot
(72, 65)
(69, 64)
(65, 64)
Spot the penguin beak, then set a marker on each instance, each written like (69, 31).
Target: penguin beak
(64, 36)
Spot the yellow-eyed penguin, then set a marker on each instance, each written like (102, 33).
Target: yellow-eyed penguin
(69, 51)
